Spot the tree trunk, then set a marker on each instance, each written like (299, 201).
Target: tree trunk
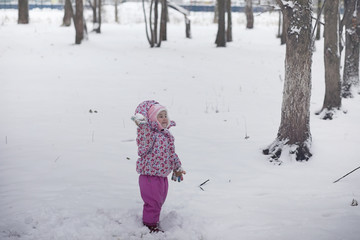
(229, 21)
(94, 8)
(23, 12)
(285, 26)
(98, 28)
(79, 22)
(318, 27)
(68, 13)
(156, 19)
(216, 12)
(279, 25)
(221, 36)
(351, 59)
(249, 15)
(116, 11)
(332, 100)
(163, 20)
(294, 129)
(188, 27)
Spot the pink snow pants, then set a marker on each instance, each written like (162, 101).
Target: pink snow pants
(153, 191)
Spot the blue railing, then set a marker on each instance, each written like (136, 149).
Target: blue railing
(191, 8)
(32, 6)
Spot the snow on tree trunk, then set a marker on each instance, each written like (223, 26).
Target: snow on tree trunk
(79, 22)
(221, 36)
(23, 11)
(294, 131)
(351, 59)
(249, 14)
(332, 100)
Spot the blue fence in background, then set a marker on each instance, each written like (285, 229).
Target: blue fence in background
(191, 8)
(32, 6)
(208, 8)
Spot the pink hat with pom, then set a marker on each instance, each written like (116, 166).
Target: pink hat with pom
(153, 113)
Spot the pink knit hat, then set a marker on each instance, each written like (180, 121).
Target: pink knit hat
(153, 113)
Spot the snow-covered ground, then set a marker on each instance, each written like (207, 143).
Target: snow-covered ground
(66, 173)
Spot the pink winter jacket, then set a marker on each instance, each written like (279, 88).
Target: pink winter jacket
(156, 148)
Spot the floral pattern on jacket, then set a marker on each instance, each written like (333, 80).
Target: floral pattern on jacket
(156, 149)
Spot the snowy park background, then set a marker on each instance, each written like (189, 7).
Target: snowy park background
(67, 173)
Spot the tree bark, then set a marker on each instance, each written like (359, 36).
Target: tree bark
(116, 11)
(23, 12)
(285, 26)
(318, 27)
(279, 25)
(332, 100)
(294, 129)
(68, 13)
(229, 21)
(94, 8)
(249, 15)
(351, 59)
(156, 20)
(163, 20)
(221, 36)
(98, 29)
(216, 12)
(79, 22)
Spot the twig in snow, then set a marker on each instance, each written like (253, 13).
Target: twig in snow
(203, 184)
(246, 135)
(347, 174)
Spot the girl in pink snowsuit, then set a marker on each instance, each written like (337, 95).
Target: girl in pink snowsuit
(157, 159)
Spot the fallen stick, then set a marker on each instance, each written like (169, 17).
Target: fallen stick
(347, 174)
(203, 184)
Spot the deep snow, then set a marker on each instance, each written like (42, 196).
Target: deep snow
(66, 173)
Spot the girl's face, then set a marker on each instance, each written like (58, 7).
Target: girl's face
(162, 118)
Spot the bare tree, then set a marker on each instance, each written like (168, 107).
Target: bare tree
(249, 14)
(68, 13)
(116, 11)
(163, 20)
(351, 59)
(229, 21)
(79, 22)
(332, 100)
(294, 131)
(23, 11)
(152, 31)
(98, 28)
(285, 26)
(221, 34)
(318, 27)
(96, 8)
(216, 12)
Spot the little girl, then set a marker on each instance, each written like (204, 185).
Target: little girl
(157, 158)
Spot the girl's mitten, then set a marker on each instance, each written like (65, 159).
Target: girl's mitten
(139, 119)
(177, 175)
